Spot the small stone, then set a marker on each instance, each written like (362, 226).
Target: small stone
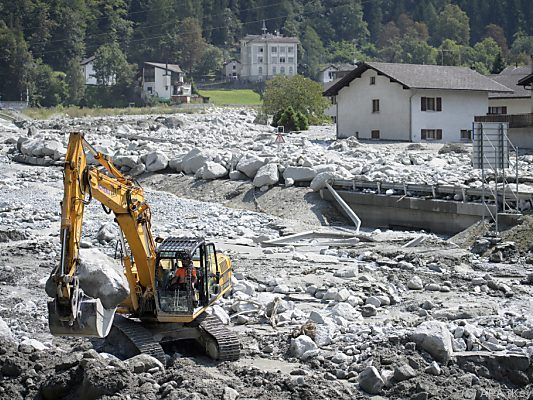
(403, 373)
(433, 369)
(373, 300)
(230, 394)
(432, 287)
(415, 283)
(368, 310)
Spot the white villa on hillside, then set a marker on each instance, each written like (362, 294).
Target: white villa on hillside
(165, 81)
(408, 102)
(264, 56)
(87, 69)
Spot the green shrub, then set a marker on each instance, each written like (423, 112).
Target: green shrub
(291, 120)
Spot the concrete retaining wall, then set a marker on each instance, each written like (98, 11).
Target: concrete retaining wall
(438, 216)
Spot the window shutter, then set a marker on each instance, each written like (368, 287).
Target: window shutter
(439, 134)
(423, 104)
(504, 110)
(439, 103)
(423, 134)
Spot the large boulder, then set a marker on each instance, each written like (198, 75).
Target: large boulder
(211, 170)
(299, 174)
(156, 161)
(126, 161)
(249, 164)
(102, 277)
(193, 161)
(5, 331)
(32, 147)
(301, 345)
(267, 175)
(53, 149)
(345, 311)
(370, 380)
(144, 363)
(319, 181)
(435, 338)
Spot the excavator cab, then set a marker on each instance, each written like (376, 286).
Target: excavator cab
(189, 276)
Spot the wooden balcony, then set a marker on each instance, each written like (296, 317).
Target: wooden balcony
(514, 120)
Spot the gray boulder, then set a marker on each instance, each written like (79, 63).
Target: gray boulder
(193, 161)
(267, 175)
(211, 170)
(144, 363)
(101, 277)
(301, 345)
(249, 164)
(319, 181)
(299, 174)
(156, 161)
(126, 161)
(371, 381)
(5, 331)
(32, 147)
(53, 149)
(434, 337)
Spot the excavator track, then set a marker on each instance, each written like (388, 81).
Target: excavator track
(140, 337)
(226, 341)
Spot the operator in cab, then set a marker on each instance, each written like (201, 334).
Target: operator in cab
(180, 276)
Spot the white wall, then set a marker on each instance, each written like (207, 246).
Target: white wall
(514, 106)
(250, 65)
(521, 137)
(354, 108)
(458, 110)
(88, 73)
(324, 75)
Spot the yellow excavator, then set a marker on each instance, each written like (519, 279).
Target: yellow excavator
(171, 282)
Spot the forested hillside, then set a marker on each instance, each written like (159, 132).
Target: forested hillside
(43, 41)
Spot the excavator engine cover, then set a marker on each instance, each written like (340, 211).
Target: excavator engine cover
(92, 320)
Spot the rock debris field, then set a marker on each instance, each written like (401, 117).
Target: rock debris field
(449, 318)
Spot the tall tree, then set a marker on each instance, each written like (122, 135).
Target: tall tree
(191, 43)
(313, 52)
(453, 23)
(15, 63)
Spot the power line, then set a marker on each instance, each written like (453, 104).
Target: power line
(147, 26)
(219, 27)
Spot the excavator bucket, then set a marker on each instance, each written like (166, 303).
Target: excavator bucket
(93, 319)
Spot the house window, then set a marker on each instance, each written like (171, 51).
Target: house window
(274, 60)
(274, 70)
(260, 70)
(431, 134)
(260, 60)
(290, 71)
(282, 70)
(372, 80)
(333, 99)
(431, 103)
(149, 74)
(466, 134)
(149, 89)
(260, 49)
(375, 134)
(274, 49)
(282, 60)
(282, 49)
(290, 49)
(375, 105)
(498, 110)
(234, 66)
(291, 60)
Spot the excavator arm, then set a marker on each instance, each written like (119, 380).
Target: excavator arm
(72, 312)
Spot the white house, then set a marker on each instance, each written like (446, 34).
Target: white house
(409, 102)
(517, 102)
(87, 69)
(232, 69)
(165, 81)
(327, 73)
(267, 55)
(514, 109)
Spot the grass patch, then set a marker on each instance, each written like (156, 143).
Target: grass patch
(244, 97)
(76, 112)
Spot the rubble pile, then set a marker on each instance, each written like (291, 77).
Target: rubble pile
(372, 318)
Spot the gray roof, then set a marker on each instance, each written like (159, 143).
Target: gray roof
(269, 38)
(170, 67)
(511, 81)
(424, 77)
(517, 70)
(87, 60)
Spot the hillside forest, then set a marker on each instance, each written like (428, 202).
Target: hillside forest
(43, 41)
